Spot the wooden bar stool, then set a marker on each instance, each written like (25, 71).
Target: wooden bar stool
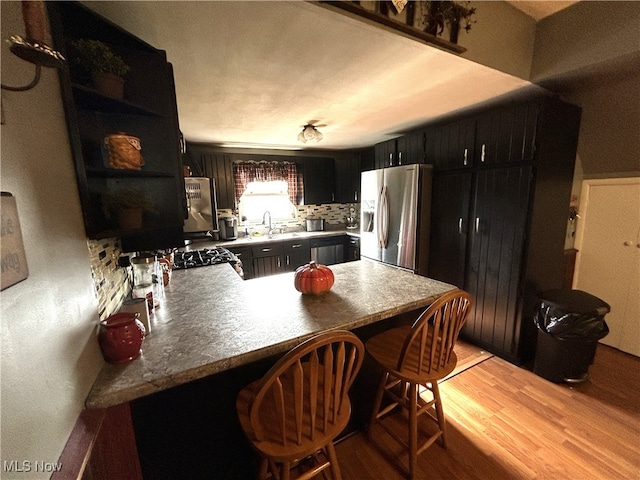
(301, 404)
(414, 356)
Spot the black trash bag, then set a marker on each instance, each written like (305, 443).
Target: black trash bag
(572, 315)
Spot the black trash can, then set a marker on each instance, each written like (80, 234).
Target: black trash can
(570, 323)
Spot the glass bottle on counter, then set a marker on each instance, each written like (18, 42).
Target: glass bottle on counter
(147, 280)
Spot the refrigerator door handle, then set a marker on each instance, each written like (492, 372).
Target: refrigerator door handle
(378, 215)
(383, 232)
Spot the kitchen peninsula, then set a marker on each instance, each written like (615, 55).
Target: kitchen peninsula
(211, 321)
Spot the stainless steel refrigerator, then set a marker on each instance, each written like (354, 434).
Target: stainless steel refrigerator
(201, 203)
(395, 216)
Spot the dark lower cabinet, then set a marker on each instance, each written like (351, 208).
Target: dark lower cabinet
(499, 218)
(272, 258)
(267, 260)
(353, 248)
(496, 243)
(244, 255)
(296, 254)
(449, 226)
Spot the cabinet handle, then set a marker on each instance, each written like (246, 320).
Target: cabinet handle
(465, 160)
(460, 225)
(391, 159)
(288, 261)
(477, 224)
(483, 153)
(355, 196)
(296, 245)
(278, 262)
(266, 249)
(399, 158)
(627, 243)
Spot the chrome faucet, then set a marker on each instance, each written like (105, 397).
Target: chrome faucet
(264, 222)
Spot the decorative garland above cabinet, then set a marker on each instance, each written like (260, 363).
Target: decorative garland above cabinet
(125, 143)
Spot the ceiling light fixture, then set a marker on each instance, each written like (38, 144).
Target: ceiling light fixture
(309, 134)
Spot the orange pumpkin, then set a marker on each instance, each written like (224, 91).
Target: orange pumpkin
(313, 278)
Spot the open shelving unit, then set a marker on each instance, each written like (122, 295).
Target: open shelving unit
(148, 111)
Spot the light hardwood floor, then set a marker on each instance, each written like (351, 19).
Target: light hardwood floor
(505, 422)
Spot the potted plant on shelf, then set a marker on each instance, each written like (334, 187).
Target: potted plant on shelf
(127, 206)
(456, 14)
(437, 14)
(105, 68)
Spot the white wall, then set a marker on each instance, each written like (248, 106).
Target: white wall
(50, 356)
(500, 24)
(585, 37)
(609, 139)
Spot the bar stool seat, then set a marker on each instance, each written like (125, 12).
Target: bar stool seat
(301, 404)
(414, 358)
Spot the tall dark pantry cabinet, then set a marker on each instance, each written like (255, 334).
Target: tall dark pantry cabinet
(501, 192)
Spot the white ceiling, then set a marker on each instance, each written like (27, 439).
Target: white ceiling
(539, 9)
(251, 74)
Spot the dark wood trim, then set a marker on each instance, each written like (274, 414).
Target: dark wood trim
(354, 10)
(77, 451)
(102, 446)
(569, 267)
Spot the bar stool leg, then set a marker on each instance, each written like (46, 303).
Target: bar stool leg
(413, 430)
(377, 401)
(439, 412)
(335, 467)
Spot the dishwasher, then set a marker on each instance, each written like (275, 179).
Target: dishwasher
(327, 251)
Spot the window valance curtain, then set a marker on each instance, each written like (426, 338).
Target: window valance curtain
(248, 171)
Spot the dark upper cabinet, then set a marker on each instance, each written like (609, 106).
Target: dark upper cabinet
(405, 150)
(217, 166)
(319, 177)
(385, 154)
(147, 111)
(451, 145)
(506, 135)
(499, 223)
(499, 136)
(410, 148)
(347, 179)
(367, 159)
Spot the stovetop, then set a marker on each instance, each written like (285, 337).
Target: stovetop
(204, 257)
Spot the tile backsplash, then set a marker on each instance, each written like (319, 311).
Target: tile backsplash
(334, 214)
(112, 282)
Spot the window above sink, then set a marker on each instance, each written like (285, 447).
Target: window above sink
(260, 197)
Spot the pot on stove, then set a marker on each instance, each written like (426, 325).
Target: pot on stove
(229, 228)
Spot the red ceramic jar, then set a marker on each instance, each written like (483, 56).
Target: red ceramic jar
(121, 337)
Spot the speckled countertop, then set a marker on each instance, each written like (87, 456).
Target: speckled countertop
(243, 241)
(210, 321)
